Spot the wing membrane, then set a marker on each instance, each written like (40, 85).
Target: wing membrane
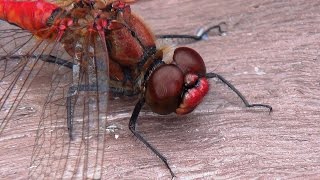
(76, 86)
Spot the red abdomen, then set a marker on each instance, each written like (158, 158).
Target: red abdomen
(32, 15)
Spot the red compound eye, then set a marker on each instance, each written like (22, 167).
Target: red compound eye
(196, 85)
(189, 61)
(164, 89)
(180, 86)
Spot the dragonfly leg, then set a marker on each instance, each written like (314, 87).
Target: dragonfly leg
(197, 37)
(47, 58)
(72, 90)
(244, 100)
(56, 60)
(132, 127)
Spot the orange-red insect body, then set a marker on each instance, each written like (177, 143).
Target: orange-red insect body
(31, 16)
(109, 49)
(128, 46)
(135, 64)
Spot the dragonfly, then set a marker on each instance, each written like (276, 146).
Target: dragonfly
(87, 51)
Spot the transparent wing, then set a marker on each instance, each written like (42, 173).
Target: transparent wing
(77, 153)
(17, 69)
(70, 136)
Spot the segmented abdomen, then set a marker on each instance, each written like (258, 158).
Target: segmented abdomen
(29, 15)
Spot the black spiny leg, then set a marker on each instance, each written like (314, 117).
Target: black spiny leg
(214, 75)
(196, 37)
(132, 127)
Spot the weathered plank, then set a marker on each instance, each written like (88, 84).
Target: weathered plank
(271, 54)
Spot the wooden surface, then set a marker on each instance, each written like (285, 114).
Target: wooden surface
(270, 53)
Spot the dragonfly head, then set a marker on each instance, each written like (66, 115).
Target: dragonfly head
(180, 86)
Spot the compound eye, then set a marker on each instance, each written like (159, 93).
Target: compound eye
(189, 61)
(164, 88)
(196, 85)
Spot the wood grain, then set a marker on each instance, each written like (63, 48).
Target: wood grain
(270, 53)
